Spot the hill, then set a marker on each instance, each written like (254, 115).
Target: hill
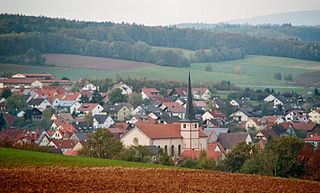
(311, 18)
(20, 172)
(24, 38)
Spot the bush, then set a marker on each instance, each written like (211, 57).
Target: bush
(137, 154)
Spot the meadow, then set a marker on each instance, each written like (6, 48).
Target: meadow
(255, 71)
(10, 158)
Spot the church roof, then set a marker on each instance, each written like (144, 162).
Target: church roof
(163, 131)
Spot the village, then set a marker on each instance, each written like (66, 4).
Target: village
(45, 111)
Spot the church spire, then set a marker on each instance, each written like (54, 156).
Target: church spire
(189, 110)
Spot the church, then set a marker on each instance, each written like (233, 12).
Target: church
(174, 138)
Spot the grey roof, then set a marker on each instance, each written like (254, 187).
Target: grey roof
(212, 133)
(116, 107)
(100, 118)
(36, 101)
(82, 126)
(66, 103)
(81, 136)
(150, 108)
(170, 119)
(229, 140)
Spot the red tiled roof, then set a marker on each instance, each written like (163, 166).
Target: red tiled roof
(313, 138)
(88, 106)
(150, 92)
(303, 126)
(199, 104)
(217, 113)
(174, 107)
(10, 119)
(63, 144)
(163, 131)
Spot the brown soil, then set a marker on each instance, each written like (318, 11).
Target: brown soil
(76, 61)
(53, 179)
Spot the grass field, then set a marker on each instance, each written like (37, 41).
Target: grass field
(255, 71)
(21, 158)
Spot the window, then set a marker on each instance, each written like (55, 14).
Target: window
(165, 149)
(195, 125)
(184, 125)
(179, 150)
(172, 150)
(135, 141)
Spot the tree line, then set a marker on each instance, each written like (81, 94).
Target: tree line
(135, 42)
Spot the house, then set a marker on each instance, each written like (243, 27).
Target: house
(240, 116)
(64, 117)
(79, 136)
(83, 127)
(63, 145)
(296, 115)
(174, 109)
(229, 140)
(65, 106)
(273, 100)
(257, 124)
(302, 130)
(145, 109)
(214, 151)
(79, 145)
(148, 93)
(34, 113)
(87, 108)
(314, 116)
(197, 93)
(234, 103)
(273, 119)
(125, 89)
(208, 115)
(119, 111)
(44, 139)
(314, 140)
(61, 134)
(9, 119)
(174, 138)
(89, 87)
(35, 76)
(102, 121)
(213, 133)
(39, 103)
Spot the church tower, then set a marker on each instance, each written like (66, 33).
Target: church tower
(189, 125)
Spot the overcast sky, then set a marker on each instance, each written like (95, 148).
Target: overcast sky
(155, 12)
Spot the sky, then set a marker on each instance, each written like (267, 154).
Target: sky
(156, 12)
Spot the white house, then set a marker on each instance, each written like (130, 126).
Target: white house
(234, 103)
(239, 116)
(273, 100)
(89, 87)
(102, 121)
(67, 106)
(87, 108)
(125, 89)
(39, 103)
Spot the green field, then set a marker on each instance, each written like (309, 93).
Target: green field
(21, 158)
(255, 72)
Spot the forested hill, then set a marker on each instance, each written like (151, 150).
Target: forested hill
(24, 38)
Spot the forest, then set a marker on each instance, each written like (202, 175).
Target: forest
(24, 38)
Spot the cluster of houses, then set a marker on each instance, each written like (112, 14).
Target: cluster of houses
(183, 122)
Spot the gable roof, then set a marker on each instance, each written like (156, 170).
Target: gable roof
(116, 107)
(36, 101)
(303, 126)
(229, 140)
(87, 106)
(163, 131)
(63, 144)
(101, 118)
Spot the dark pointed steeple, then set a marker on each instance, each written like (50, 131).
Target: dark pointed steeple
(190, 116)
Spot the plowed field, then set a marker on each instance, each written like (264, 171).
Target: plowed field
(54, 179)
